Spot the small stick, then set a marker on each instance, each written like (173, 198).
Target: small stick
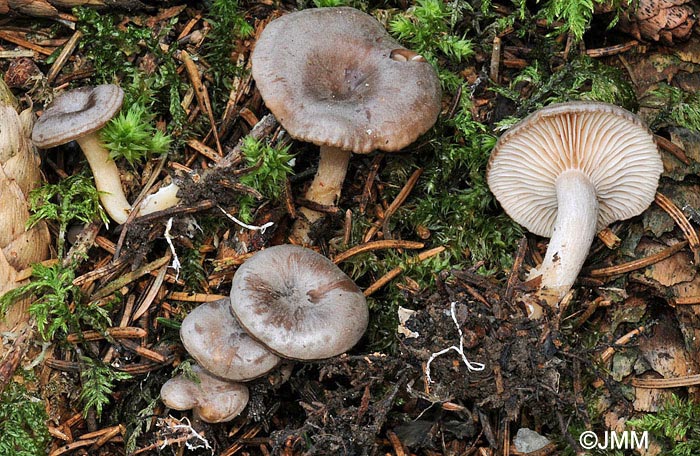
(608, 352)
(673, 149)
(152, 292)
(63, 57)
(131, 277)
(495, 59)
(14, 39)
(347, 227)
(612, 50)
(202, 95)
(376, 245)
(637, 264)
(369, 182)
(687, 380)
(391, 275)
(194, 297)
(204, 150)
(398, 201)
(687, 300)
(116, 333)
(683, 223)
(515, 269)
(609, 238)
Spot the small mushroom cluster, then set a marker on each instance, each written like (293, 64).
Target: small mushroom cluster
(287, 302)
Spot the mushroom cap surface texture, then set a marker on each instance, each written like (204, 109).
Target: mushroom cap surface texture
(329, 76)
(298, 303)
(214, 399)
(212, 335)
(610, 145)
(76, 113)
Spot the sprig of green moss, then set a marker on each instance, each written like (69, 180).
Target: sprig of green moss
(675, 107)
(74, 199)
(271, 167)
(228, 25)
(677, 424)
(132, 136)
(52, 309)
(98, 382)
(23, 418)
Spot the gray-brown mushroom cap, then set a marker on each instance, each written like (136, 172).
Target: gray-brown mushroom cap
(213, 337)
(213, 399)
(298, 303)
(608, 144)
(76, 113)
(334, 76)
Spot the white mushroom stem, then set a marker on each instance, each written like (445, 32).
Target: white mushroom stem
(325, 189)
(109, 184)
(572, 237)
(106, 177)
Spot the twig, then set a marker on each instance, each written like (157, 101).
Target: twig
(638, 264)
(612, 50)
(376, 245)
(673, 149)
(115, 333)
(608, 352)
(369, 182)
(391, 275)
(63, 57)
(683, 223)
(202, 95)
(398, 201)
(687, 380)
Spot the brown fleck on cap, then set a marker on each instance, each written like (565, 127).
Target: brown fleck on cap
(213, 337)
(214, 399)
(298, 303)
(330, 78)
(76, 113)
(609, 144)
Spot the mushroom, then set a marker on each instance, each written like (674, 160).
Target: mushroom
(298, 303)
(569, 170)
(78, 115)
(213, 337)
(212, 399)
(334, 77)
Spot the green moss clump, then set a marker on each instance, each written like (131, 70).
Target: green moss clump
(23, 430)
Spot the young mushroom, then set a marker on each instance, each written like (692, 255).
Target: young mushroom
(212, 399)
(79, 115)
(298, 303)
(569, 170)
(213, 337)
(334, 77)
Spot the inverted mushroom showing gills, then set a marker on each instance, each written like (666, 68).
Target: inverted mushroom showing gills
(334, 77)
(213, 337)
(79, 115)
(569, 170)
(298, 303)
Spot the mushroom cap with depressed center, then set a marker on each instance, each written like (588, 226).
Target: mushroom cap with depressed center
(213, 337)
(610, 145)
(298, 303)
(76, 113)
(334, 77)
(213, 399)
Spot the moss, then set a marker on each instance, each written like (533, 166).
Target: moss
(23, 430)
